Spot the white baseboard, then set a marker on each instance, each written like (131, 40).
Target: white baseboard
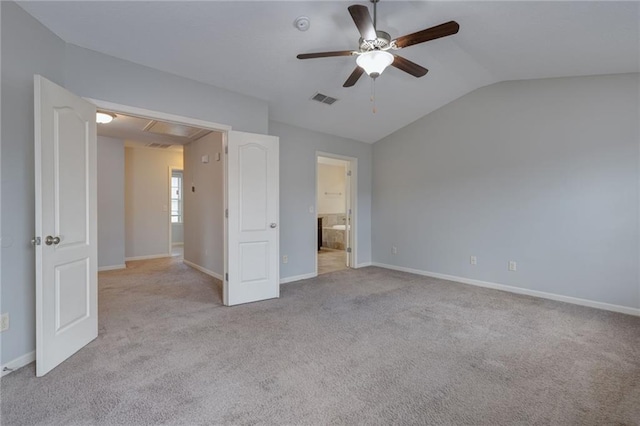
(112, 268)
(298, 278)
(19, 362)
(511, 289)
(363, 265)
(201, 269)
(150, 256)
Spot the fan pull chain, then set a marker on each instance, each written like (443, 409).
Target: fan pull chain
(373, 94)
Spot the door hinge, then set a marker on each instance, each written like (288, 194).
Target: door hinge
(348, 172)
(226, 149)
(348, 249)
(226, 213)
(36, 241)
(349, 212)
(226, 276)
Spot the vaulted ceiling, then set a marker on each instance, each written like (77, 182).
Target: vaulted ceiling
(251, 47)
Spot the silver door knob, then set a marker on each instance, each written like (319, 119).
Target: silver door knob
(273, 225)
(52, 240)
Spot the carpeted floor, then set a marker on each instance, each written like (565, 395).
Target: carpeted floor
(369, 346)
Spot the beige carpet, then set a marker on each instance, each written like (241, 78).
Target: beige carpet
(369, 346)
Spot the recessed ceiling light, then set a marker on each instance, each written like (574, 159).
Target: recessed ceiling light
(104, 117)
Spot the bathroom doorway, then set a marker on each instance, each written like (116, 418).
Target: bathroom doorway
(335, 212)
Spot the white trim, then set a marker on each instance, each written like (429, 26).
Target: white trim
(363, 265)
(201, 269)
(298, 278)
(111, 268)
(544, 295)
(19, 362)
(147, 257)
(157, 115)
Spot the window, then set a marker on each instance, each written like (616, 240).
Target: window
(176, 196)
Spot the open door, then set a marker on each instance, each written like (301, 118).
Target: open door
(66, 224)
(252, 271)
(347, 233)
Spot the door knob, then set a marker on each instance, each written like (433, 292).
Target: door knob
(273, 225)
(52, 240)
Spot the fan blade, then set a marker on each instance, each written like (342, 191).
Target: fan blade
(353, 78)
(442, 30)
(362, 19)
(324, 54)
(408, 66)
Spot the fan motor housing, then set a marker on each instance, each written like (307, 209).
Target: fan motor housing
(382, 41)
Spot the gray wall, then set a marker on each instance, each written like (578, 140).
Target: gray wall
(542, 172)
(204, 219)
(110, 202)
(27, 49)
(298, 189)
(98, 76)
(147, 209)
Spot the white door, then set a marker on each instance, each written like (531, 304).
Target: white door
(252, 225)
(66, 258)
(347, 233)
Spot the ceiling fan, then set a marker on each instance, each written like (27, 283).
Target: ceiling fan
(373, 54)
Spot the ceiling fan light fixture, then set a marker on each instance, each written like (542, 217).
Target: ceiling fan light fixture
(374, 62)
(104, 117)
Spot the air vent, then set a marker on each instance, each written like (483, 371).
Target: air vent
(323, 99)
(158, 145)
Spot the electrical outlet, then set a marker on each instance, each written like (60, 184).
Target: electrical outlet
(4, 322)
(473, 260)
(285, 259)
(394, 250)
(513, 266)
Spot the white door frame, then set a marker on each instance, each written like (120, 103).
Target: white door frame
(171, 170)
(178, 119)
(353, 192)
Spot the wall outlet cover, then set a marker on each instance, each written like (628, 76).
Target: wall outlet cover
(285, 259)
(513, 266)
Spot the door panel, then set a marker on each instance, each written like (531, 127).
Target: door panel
(253, 173)
(66, 211)
(72, 294)
(254, 261)
(70, 162)
(252, 226)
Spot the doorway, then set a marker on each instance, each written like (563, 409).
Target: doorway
(335, 212)
(176, 222)
(66, 243)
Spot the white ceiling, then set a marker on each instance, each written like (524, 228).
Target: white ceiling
(141, 132)
(250, 47)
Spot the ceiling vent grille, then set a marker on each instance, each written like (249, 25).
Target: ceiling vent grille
(323, 99)
(158, 145)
